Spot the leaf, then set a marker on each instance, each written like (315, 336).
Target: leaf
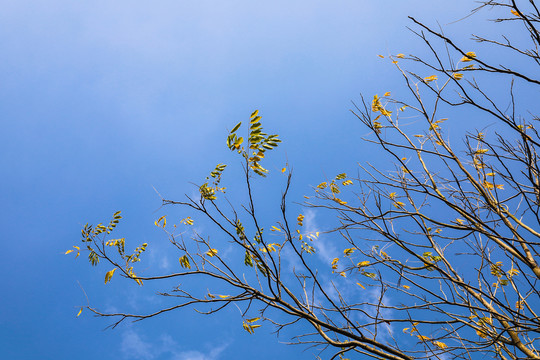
(430, 78)
(275, 228)
(422, 337)
(236, 127)
(363, 264)
(212, 252)
(348, 252)
(457, 76)
(283, 170)
(470, 56)
(406, 287)
(184, 262)
(253, 114)
(247, 259)
(187, 221)
(322, 185)
(224, 296)
(514, 12)
(488, 185)
(387, 93)
(343, 274)
(158, 221)
(481, 151)
(67, 252)
(440, 345)
(382, 57)
(253, 320)
(400, 56)
(109, 275)
(79, 313)
(362, 286)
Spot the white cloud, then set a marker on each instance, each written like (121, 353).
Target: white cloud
(136, 346)
(325, 250)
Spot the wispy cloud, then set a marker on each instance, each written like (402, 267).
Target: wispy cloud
(325, 250)
(136, 346)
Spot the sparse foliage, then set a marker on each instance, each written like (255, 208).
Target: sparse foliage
(439, 254)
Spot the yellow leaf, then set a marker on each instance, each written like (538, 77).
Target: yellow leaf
(274, 228)
(224, 296)
(283, 170)
(400, 56)
(488, 185)
(422, 337)
(253, 320)
(392, 195)
(398, 204)
(187, 221)
(387, 93)
(363, 263)
(362, 286)
(67, 252)
(211, 252)
(158, 221)
(468, 56)
(184, 262)
(440, 345)
(382, 57)
(481, 151)
(430, 78)
(457, 76)
(109, 275)
(514, 12)
(482, 334)
(406, 287)
(253, 114)
(79, 313)
(343, 274)
(322, 185)
(348, 252)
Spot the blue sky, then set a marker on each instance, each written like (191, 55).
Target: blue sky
(102, 101)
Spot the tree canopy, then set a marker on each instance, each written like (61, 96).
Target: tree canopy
(440, 251)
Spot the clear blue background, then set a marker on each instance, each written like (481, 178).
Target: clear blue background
(101, 101)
